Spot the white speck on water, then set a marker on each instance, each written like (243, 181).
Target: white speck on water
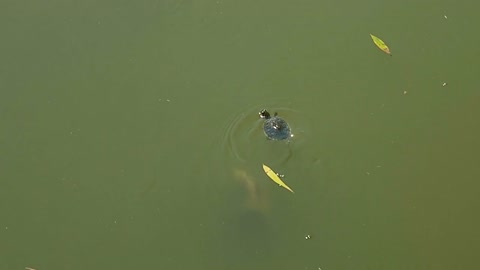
(445, 16)
(444, 84)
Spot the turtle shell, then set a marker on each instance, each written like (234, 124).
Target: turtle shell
(275, 128)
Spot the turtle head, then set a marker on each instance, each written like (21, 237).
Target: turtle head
(264, 114)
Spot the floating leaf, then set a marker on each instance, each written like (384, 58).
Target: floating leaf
(380, 44)
(275, 178)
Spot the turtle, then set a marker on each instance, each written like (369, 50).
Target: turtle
(275, 128)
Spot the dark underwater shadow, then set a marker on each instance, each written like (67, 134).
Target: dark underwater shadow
(246, 242)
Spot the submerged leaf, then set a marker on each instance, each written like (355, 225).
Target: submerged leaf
(275, 178)
(380, 44)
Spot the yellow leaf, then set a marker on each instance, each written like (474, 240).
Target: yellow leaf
(380, 44)
(275, 178)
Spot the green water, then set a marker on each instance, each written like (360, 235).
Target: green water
(130, 137)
